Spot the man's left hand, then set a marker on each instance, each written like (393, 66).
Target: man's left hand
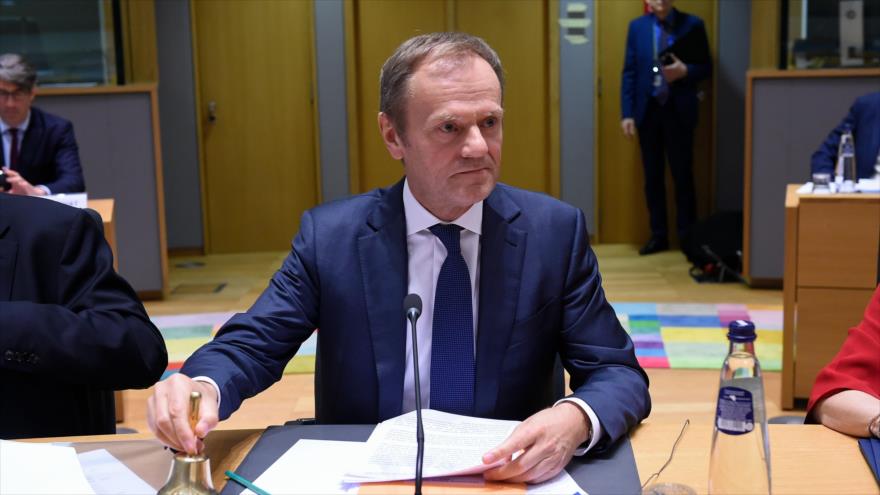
(674, 71)
(548, 439)
(22, 186)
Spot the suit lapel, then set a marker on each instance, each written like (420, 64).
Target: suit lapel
(8, 252)
(501, 262)
(383, 260)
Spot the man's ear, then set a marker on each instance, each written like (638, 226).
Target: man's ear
(393, 140)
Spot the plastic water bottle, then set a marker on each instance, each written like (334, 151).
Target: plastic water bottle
(846, 157)
(740, 461)
(877, 167)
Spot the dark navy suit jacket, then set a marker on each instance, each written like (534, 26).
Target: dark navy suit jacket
(49, 155)
(638, 76)
(540, 294)
(71, 329)
(864, 120)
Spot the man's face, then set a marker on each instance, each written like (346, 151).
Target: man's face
(451, 147)
(660, 7)
(14, 103)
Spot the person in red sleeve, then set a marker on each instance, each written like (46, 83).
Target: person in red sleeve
(846, 395)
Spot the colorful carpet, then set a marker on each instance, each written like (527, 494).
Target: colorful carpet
(694, 336)
(185, 333)
(678, 336)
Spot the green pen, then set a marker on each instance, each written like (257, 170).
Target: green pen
(245, 483)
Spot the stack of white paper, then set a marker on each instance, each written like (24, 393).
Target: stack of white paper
(454, 446)
(455, 443)
(313, 467)
(39, 468)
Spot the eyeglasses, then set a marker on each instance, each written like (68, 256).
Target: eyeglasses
(17, 95)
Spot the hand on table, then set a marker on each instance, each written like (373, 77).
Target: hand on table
(548, 438)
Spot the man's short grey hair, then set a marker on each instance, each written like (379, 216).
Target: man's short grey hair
(402, 64)
(14, 69)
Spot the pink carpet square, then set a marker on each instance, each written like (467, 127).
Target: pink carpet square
(653, 362)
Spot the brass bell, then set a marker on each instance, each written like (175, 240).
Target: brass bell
(190, 474)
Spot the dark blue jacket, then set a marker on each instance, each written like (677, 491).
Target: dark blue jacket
(864, 120)
(71, 329)
(540, 294)
(49, 155)
(638, 76)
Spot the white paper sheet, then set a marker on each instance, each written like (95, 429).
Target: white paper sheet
(39, 468)
(454, 446)
(109, 476)
(318, 467)
(311, 467)
(561, 484)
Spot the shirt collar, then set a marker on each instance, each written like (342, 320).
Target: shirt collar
(669, 21)
(23, 127)
(418, 218)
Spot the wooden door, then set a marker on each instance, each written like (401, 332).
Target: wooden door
(255, 71)
(519, 31)
(622, 214)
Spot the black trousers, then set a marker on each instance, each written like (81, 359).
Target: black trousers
(663, 136)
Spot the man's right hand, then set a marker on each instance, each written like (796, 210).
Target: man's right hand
(168, 413)
(629, 127)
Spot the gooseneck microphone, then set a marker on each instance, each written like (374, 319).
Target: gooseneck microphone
(412, 306)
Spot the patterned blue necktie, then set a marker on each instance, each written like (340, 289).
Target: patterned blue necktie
(452, 340)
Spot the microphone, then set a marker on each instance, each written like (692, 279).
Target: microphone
(412, 307)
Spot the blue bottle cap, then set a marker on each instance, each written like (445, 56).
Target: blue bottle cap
(741, 331)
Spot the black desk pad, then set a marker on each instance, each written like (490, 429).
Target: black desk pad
(609, 473)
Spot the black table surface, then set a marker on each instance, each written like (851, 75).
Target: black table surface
(612, 471)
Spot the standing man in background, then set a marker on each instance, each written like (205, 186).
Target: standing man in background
(40, 155)
(659, 99)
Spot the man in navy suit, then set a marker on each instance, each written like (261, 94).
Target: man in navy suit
(659, 99)
(71, 329)
(863, 120)
(40, 155)
(526, 280)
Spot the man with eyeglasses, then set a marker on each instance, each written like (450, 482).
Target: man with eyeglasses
(40, 155)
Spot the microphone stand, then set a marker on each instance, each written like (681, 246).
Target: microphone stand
(413, 316)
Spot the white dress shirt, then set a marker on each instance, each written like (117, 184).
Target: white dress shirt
(426, 254)
(7, 137)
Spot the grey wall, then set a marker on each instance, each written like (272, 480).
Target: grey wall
(177, 115)
(116, 146)
(332, 108)
(576, 129)
(730, 89)
(791, 118)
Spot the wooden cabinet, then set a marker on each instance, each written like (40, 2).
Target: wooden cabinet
(832, 246)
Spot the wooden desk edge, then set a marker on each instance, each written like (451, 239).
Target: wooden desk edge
(225, 448)
(798, 452)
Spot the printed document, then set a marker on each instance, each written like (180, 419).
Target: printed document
(454, 446)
